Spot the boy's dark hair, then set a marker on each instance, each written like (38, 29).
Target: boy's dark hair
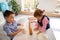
(38, 12)
(7, 13)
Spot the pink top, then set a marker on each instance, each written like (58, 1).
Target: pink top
(43, 28)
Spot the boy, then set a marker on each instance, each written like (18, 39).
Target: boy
(42, 21)
(10, 27)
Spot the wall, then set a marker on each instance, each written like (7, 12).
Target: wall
(48, 5)
(2, 0)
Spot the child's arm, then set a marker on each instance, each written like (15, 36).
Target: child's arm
(37, 26)
(45, 22)
(21, 26)
(43, 28)
(8, 31)
(14, 33)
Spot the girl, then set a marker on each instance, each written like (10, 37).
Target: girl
(42, 21)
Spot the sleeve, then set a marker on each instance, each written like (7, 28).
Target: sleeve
(7, 30)
(18, 24)
(37, 25)
(45, 22)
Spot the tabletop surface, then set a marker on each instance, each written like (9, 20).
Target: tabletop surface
(34, 36)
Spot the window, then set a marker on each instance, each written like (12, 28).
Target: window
(57, 10)
(29, 5)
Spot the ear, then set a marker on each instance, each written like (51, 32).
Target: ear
(5, 17)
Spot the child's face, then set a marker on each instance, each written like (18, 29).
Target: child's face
(10, 19)
(38, 18)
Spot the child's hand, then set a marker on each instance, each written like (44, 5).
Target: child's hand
(21, 25)
(36, 29)
(18, 30)
(38, 32)
(23, 31)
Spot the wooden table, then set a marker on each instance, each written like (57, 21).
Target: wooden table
(34, 36)
(42, 36)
